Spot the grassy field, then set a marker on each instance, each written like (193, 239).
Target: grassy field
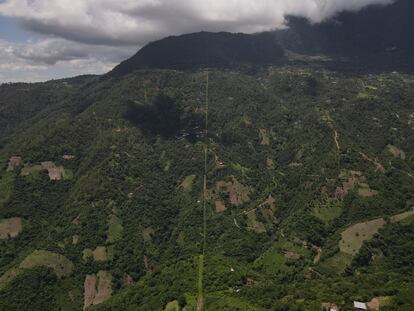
(60, 264)
(335, 264)
(39, 258)
(355, 235)
(275, 260)
(172, 306)
(28, 170)
(329, 211)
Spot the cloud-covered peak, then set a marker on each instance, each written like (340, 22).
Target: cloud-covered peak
(108, 30)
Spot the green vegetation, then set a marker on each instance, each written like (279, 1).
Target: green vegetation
(60, 265)
(115, 229)
(6, 187)
(131, 197)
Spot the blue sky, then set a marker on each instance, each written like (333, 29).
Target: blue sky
(50, 39)
(11, 31)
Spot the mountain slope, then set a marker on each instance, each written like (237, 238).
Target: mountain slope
(297, 156)
(204, 49)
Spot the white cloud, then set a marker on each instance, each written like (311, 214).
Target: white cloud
(105, 31)
(132, 22)
(52, 58)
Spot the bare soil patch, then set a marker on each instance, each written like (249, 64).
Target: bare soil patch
(10, 228)
(14, 162)
(187, 183)
(378, 302)
(220, 206)
(238, 194)
(89, 290)
(55, 173)
(367, 193)
(97, 288)
(354, 180)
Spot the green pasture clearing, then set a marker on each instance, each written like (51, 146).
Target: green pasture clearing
(115, 229)
(29, 170)
(172, 306)
(275, 259)
(329, 211)
(60, 264)
(355, 235)
(335, 264)
(39, 258)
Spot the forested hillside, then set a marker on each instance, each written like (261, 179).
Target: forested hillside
(310, 191)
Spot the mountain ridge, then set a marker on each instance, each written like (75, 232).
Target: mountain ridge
(376, 37)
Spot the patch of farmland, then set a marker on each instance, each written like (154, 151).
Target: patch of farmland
(355, 235)
(354, 180)
(100, 254)
(237, 193)
(187, 183)
(329, 210)
(10, 228)
(220, 206)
